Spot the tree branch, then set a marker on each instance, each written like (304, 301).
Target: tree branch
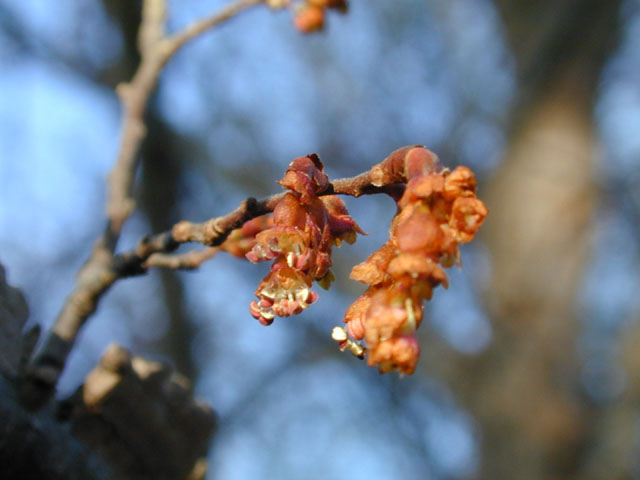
(97, 277)
(184, 261)
(156, 50)
(101, 268)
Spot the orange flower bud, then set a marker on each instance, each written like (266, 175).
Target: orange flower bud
(309, 18)
(305, 176)
(354, 317)
(467, 216)
(418, 266)
(421, 187)
(460, 183)
(340, 5)
(437, 211)
(373, 270)
(420, 231)
(399, 353)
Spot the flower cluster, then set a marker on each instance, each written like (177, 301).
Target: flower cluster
(305, 227)
(438, 211)
(309, 14)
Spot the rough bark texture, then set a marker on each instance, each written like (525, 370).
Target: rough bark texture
(13, 315)
(32, 446)
(141, 418)
(36, 446)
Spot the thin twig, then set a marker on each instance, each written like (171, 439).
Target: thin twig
(177, 40)
(183, 261)
(156, 50)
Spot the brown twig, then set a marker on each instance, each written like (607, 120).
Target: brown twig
(101, 268)
(184, 261)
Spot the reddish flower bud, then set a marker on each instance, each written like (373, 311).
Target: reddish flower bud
(240, 242)
(467, 216)
(289, 212)
(399, 353)
(341, 225)
(437, 211)
(373, 270)
(304, 229)
(460, 183)
(305, 176)
(309, 19)
(403, 164)
(419, 232)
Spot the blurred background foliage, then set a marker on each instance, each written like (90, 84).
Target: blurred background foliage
(530, 365)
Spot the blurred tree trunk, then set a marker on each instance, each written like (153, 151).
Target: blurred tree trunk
(159, 196)
(524, 390)
(541, 204)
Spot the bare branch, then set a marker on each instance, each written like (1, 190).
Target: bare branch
(101, 268)
(156, 50)
(185, 261)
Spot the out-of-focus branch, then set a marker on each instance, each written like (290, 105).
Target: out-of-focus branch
(98, 272)
(156, 49)
(13, 315)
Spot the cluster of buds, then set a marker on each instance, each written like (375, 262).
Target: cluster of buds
(304, 229)
(437, 211)
(308, 15)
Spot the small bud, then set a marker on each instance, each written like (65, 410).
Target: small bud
(309, 19)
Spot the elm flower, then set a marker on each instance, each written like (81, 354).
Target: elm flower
(305, 227)
(285, 291)
(437, 211)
